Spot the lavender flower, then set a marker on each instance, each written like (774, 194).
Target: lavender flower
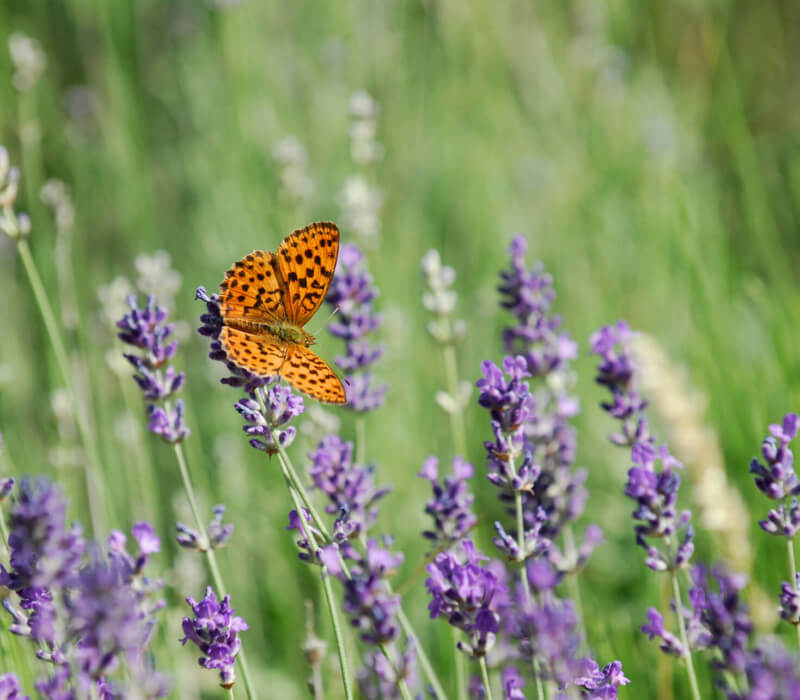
(724, 616)
(350, 488)
(654, 627)
(309, 536)
(372, 610)
(513, 683)
(214, 629)
(528, 295)
(9, 688)
(655, 492)
(468, 595)
(616, 371)
(777, 479)
(218, 533)
(146, 330)
(451, 505)
(279, 407)
(352, 292)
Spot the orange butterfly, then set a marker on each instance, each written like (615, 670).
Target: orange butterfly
(267, 298)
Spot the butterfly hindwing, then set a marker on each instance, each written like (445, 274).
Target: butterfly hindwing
(307, 259)
(308, 372)
(263, 355)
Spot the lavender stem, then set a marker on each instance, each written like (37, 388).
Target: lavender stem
(211, 558)
(456, 417)
(676, 592)
(540, 692)
(361, 440)
(424, 661)
(300, 498)
(792, 576)
(94, 486)
(485, 676)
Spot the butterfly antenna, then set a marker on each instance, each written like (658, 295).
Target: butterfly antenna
(328, 320)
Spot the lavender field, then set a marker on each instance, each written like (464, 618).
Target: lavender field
(564, 313)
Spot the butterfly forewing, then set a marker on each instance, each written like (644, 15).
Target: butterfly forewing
(252, 289)
(307, 259)
(308, 372)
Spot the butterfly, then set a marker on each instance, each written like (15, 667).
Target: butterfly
(266, 299)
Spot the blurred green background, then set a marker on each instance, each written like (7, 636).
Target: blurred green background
(649, 151)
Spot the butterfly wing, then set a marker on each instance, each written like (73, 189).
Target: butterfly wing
(253, 289)
(262, 354)
(307, 259)
(308, 372)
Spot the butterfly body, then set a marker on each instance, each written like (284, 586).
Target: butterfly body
(266, 299)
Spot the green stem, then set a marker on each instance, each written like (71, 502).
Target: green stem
(485, 676)
(793, 577)
(401, 684)
(456, 417)
(461, 666)
(211, 558)
(361, 440)
(424, 661)
(523, 572)
(94, 487)
(297, 497)
(572, 579)
(676, 592)
(4, 534)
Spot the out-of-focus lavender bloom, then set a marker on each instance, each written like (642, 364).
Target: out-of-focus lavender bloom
(364, 110)
(466, 592)
(43, 554)
(724, 616)
(309, 536)
(218, 533)
(15, 225)
(451, 505)
(9, 688)
(108, 616)
(616, 371)
(28, 58)
(215, 629)
(440, 299)
(670, 644)
(513, 683)
(601, 684)
(371, 609)
(790, 601)
(772, 673)
(6, 487)
(350, 488)
(378, 678)
(361, 205)
(92, 613)
(777, 479)
(147, 330)
(291, 156)
(534, 544)
(352, 292)
(281, 406)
